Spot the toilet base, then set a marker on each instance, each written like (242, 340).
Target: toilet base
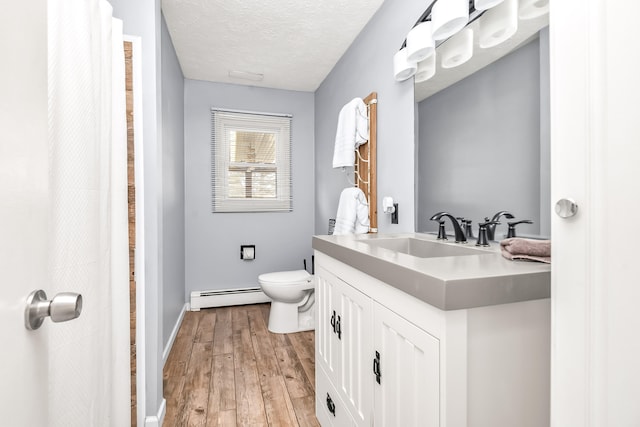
(284, 318)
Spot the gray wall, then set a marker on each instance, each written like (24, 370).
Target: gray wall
(366, 67)
(213, 241)
(479, 149)
(545, 135)
(173, 269)
(142, 18)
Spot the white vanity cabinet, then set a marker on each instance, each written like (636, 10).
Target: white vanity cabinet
(370, 362)
(477, 367)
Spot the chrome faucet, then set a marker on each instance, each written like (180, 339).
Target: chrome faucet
(491, 228)
(460, 238)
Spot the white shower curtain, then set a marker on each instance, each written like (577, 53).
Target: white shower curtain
(89, 362)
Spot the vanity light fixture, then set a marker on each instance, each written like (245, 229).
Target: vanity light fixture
(449, 17)
(402, 68)
(498, 24)
(530, 9)
(458, 49)
(485, 4)
(426, 69)
(420, 43)
(442, 26)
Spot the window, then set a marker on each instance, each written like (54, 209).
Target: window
(250, 162)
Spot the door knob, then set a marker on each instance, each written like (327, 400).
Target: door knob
(566, 208)
(64, 306)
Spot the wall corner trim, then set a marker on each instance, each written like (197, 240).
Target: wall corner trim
(174, 333)
(156, 420)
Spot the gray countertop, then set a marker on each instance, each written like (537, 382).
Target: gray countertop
(445, 282)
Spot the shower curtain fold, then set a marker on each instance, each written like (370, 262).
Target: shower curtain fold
(89, 358)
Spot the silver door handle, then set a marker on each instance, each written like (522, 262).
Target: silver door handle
(64, 306)
(566, 208)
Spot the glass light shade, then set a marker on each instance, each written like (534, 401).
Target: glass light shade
(530, 9)
(485, 4)
(426, 69)
(449, 17)
(420, 43)
(458, 49)
(498, 24)
(402, 68)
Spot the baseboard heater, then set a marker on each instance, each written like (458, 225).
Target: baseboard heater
(227, 297)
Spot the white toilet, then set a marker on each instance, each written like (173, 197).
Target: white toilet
(292, 305)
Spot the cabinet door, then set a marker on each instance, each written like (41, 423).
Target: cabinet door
(409, 388)
(354, 380)
(344, 342)
(325, 342)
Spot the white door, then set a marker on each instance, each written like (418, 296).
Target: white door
(595, 141)
(407, 388)
(63, 215)
(23, 203)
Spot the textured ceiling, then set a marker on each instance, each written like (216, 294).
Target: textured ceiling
(293, 43)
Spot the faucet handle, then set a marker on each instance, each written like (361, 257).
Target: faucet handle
(482, 232)
(512, 227)
(442, 234)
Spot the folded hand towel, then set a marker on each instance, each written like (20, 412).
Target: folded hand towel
(353, 131)
(526, 249)
(353, 212)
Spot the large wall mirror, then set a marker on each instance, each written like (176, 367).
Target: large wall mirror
(482, 135)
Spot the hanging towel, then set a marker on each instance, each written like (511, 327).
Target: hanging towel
(526, 249)
(353, 131)
(353, 212)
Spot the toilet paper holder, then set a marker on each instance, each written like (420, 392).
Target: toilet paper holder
(248, 252)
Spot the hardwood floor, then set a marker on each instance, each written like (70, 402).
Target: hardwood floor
(227, 369)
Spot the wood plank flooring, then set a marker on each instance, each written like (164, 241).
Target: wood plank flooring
(226, 369)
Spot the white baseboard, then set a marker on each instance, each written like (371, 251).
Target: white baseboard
(174, 333)
(156, 420)
(227, 297)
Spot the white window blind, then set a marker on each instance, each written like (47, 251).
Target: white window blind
(250, 161)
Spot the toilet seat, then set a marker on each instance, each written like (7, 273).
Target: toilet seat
(284, 278)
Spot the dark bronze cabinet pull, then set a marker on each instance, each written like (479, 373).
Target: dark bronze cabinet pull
(330, 405)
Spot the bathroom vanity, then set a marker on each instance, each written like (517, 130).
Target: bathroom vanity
(416, 332)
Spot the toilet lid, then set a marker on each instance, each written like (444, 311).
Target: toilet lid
(285, 277)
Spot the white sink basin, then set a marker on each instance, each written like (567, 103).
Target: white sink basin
(422, 248)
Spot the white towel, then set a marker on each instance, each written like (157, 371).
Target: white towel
(353, 131)
(353, 212)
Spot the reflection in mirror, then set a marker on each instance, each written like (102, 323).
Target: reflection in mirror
(483, 137)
